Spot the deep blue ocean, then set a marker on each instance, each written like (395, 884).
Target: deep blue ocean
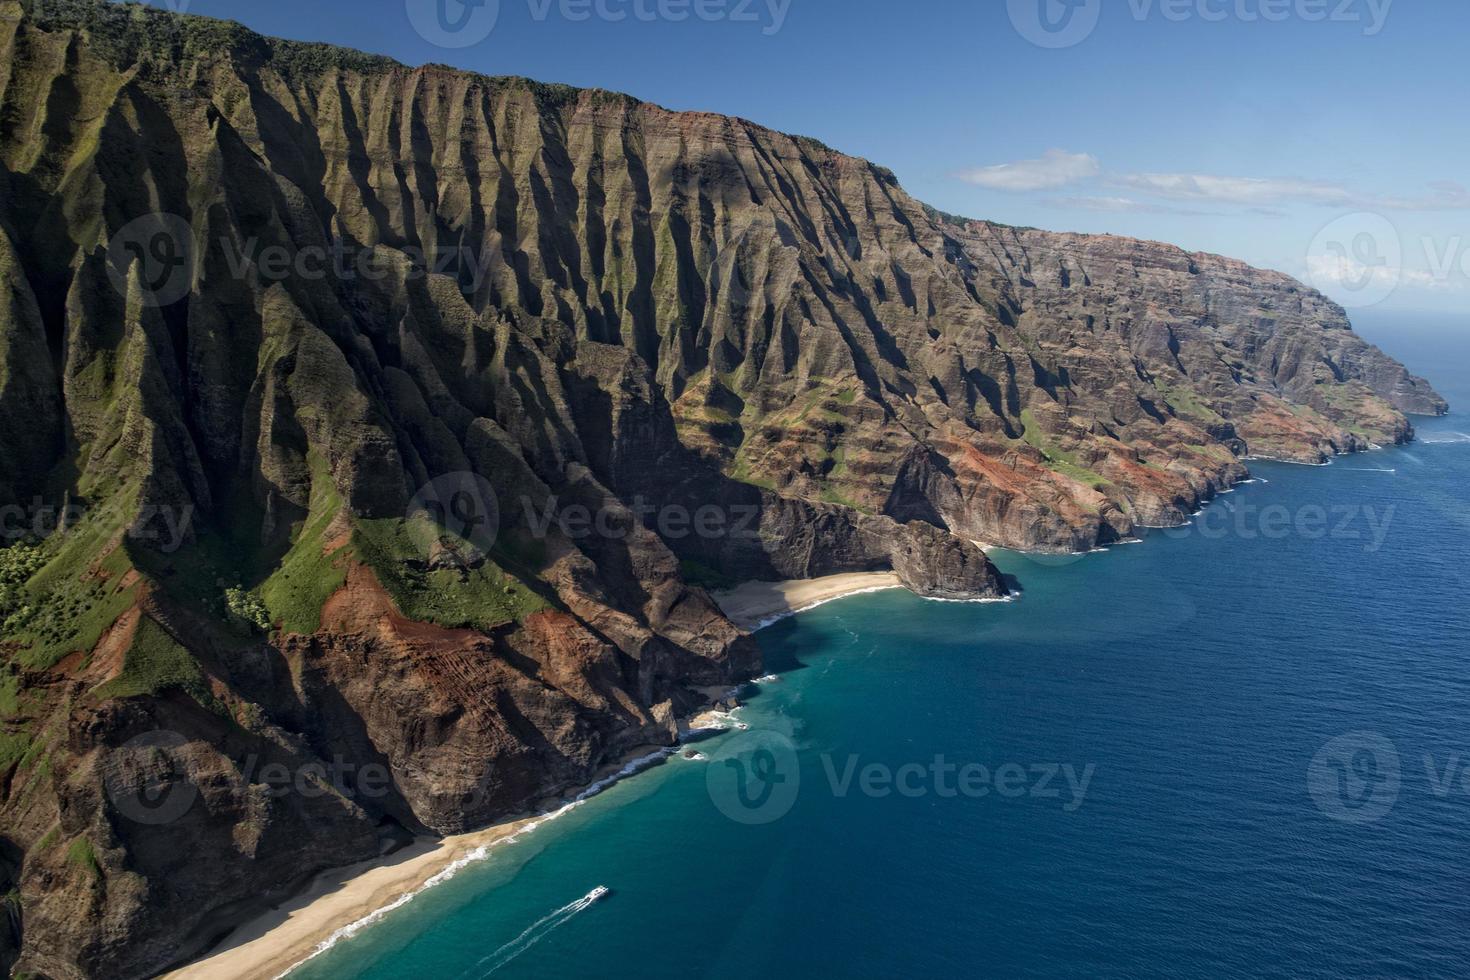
(1240, 749)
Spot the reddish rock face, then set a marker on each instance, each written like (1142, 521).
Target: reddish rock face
(388, 275)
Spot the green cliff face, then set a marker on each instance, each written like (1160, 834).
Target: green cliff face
(279, 323)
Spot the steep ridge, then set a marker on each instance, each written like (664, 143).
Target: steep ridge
(273, 312)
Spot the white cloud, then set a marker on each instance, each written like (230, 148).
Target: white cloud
(1055, 169)
(1119, 205)
(1348, 272)
(1447, 196)
(1261, 195)
(1256, 191)
(1261, 191)
(1351, 274)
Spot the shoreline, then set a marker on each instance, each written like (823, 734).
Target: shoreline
(341, 902)
(755, 605)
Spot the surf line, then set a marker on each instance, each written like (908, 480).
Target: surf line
(536, 932)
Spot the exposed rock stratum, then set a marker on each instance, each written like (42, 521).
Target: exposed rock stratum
(256, 295)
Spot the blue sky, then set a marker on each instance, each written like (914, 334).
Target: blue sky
(1324, 138)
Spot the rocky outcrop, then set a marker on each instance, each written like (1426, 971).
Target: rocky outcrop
(402, 416)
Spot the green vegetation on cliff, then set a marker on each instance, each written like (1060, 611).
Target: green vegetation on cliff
(878, 353)
(313, 570)
(1059, 460)
(69, 601)
(154, 663)
(81, 855)
(480, 595)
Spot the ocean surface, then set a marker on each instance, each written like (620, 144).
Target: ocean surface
(1237, 749)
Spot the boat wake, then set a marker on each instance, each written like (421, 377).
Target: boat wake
(534, 933)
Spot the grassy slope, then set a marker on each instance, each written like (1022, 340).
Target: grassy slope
(483, 598)
(1059, 460)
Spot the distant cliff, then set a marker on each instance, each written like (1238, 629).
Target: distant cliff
(401, 417)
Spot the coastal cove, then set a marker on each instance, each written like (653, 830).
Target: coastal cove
(338, 904)
(1201, 675)
(505, 495)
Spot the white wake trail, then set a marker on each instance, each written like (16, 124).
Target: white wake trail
(536, 932)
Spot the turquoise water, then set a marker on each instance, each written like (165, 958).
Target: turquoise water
(1268, 725)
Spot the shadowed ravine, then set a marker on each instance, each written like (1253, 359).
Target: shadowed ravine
(256, 296)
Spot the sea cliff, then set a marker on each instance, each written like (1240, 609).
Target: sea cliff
(557, 300)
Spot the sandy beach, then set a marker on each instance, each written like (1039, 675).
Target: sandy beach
(758, 604)
(340, 902)
(356, 896)
(274, 943)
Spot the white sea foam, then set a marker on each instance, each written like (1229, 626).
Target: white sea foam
(787, 614)
(722, 721)
(1291, 462)
(979, 602)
